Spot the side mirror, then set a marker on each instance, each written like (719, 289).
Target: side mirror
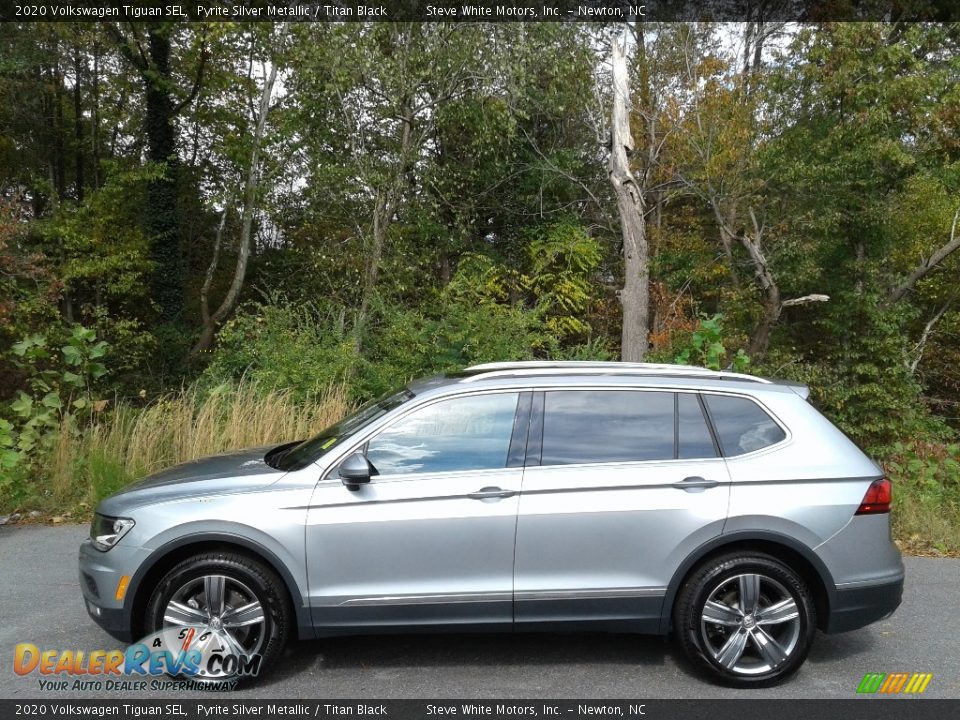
(356, 470)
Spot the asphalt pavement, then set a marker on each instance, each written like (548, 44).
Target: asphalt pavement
(40, 602)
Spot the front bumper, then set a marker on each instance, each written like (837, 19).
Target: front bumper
(110, 619)
(100, 574)
(858, 605)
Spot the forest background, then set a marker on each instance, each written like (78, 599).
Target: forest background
(222, 235)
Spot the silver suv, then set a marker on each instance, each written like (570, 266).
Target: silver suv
(533, 496)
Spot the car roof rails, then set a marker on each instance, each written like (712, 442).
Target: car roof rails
(590, 367)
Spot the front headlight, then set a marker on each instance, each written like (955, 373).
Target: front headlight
(105, 532)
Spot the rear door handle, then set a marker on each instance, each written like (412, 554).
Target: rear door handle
(695, 483)
(491, 493)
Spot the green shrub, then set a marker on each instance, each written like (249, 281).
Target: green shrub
(926, 495)
(303, 349)
(60, 392)
(706, 348)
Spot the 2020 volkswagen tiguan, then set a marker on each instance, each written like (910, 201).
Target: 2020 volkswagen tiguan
(720, 507)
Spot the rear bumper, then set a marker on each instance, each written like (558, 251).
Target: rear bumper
(862, 604)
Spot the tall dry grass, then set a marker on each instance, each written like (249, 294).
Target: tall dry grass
(131, 442)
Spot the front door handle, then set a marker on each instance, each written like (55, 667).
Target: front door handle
(695, 483)
(491, 493)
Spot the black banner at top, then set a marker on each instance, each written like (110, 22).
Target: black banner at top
(479, 10)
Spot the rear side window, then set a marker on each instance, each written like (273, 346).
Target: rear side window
(591, 426)
(742, 426)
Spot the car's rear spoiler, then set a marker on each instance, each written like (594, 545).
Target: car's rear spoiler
(798, 387)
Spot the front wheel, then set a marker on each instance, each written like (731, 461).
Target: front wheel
(232, 606)
(746, 618)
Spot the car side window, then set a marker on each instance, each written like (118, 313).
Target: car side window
(742, 426)
(693, 434)
(464, 433)
(594, 426)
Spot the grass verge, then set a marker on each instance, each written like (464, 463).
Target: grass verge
(130, 442)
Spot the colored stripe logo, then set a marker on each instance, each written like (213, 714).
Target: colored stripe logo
(894, 683)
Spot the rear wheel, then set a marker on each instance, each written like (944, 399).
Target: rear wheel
(237, 605)
(747, 619)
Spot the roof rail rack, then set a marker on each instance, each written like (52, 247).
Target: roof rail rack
(578, 367)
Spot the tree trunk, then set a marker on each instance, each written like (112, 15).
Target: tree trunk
(208, 328)
(60, 172)
(772, 305)
(635, 295)
(95, 117)
(77, 126)
(382, 217)
(727, 238)
(161, 208)
(250, 192)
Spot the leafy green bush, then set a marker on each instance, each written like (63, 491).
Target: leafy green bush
(301, 348)
(456, 332)
(61, 385)
(563, 260)
(926, 494)
(706, 347)
(304, 350)
(859, 377)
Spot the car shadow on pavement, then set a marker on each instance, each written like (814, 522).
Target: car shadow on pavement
(505, 650)
(474, 650)
(837, 648)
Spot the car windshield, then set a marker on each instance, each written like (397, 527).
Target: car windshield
(297, 456)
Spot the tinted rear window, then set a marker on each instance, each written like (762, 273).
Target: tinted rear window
(742, 426)
(591, 426)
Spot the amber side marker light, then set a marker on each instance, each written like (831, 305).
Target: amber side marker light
(122, 587)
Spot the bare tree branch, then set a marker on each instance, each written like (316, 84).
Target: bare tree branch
(926, 266)
(806, 299)
(925, 335)
(198, 82)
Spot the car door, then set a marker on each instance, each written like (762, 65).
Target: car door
(430, 539)
(620, 486)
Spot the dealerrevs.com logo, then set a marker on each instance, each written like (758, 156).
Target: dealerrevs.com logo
(196, 655)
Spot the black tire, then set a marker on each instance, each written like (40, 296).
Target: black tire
(749, 659)
(242, 576)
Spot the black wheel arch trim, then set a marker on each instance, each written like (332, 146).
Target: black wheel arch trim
(720, 542)
(302, 612)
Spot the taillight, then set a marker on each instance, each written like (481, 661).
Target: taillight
(878, 498)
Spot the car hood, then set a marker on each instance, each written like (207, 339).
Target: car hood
(231, 472)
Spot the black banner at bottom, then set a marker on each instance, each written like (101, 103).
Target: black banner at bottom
(855, 709)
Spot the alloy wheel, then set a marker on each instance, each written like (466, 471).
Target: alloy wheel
(231, 615)
(750, 624)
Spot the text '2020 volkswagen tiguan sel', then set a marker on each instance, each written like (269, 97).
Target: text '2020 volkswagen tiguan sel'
(533, 496)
